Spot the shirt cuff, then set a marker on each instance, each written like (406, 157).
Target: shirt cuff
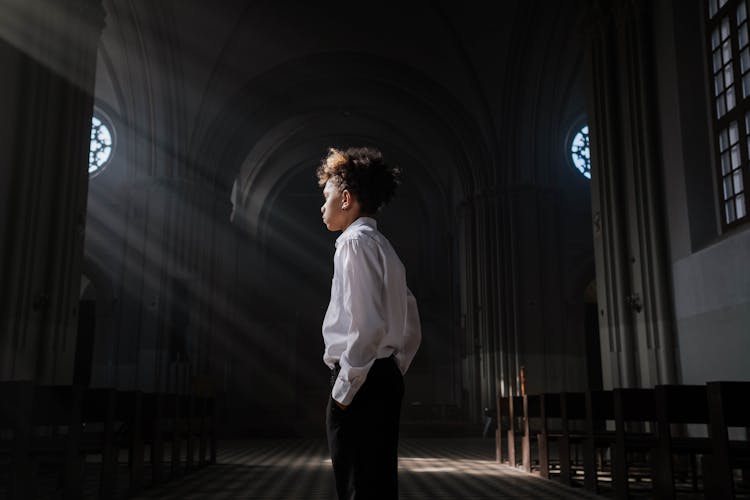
(343, 391)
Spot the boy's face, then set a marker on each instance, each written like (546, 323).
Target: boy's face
(335, 217)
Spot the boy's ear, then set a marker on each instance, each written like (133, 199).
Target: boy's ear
(346, 198)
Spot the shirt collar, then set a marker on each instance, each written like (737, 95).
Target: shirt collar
(361, 221)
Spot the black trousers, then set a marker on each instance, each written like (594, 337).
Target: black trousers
(363, 439)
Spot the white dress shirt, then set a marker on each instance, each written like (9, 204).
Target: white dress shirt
(372, 313)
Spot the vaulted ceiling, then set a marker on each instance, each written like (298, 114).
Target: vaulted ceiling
(469, 94)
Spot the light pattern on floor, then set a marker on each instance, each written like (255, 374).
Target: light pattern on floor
(440, 469)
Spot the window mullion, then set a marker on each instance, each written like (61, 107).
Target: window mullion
(740, 106)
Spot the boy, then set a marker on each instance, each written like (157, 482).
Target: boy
(371, 329)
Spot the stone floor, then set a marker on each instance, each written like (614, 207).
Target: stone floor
(300, 470)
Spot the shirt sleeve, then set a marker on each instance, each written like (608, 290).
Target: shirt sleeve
(412, 333)
(362, 297)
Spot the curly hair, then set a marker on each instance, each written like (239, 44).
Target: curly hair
(363, 173)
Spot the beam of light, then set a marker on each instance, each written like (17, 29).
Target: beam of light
(53, 34)
(468, 467)
(286, 234)
(141, 250)
(308, 457)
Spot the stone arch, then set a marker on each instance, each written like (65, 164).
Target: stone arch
(309, 91)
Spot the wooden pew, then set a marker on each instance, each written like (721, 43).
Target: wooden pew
(206, 417)
(635, 431)
(728, 407)
(213, 407)
(98, 435)
(573, 410)
(54, 407)
(191, 425)
(644, 435)
(503, 425)
(532, 429)
(129, 412)
(61, 425)
(559, 415)
(549, 408)
(152, 428)
(166, 423)
(599, 409)
(191, 415)
(15, 421)
(619, 422)
(174, 430)
(643, 420)
(112, 422)
(88, 418)
(179, 420)
(678, 405)
(515, 426)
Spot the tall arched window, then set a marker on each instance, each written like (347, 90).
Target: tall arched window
(728, 41)
(102, 144)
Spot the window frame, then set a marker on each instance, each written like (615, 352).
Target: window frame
(739, 114)
(106, 121)
(577, 125)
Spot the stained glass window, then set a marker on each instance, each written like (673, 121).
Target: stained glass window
(580, 153)
(102, 143)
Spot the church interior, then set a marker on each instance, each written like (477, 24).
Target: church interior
(572, 219)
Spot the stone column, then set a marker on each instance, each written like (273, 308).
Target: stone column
(469, 306)
(635, 316)
(487, 357)
(48, 55)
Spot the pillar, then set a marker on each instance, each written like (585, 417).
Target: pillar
(48, 53)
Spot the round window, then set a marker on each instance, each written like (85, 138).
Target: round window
(102, 144)
(580, 154)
